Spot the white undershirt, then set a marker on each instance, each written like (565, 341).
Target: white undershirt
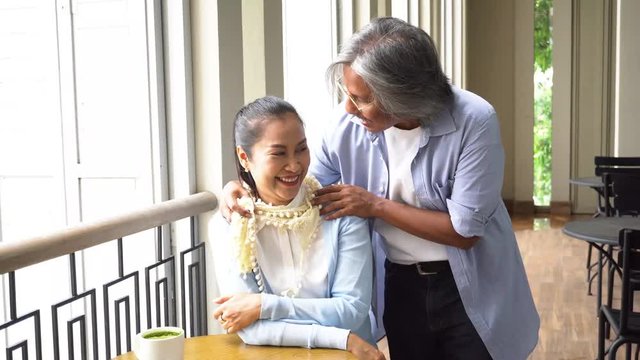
(402, 247)
(279, 252)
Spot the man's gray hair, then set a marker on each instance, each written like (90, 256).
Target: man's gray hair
(400, 65)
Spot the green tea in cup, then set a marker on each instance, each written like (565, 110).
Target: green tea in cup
(161, 343)
(161, 334)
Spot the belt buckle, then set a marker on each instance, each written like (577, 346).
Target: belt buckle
(422, 272)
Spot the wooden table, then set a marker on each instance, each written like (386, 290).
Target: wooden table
(231, 347)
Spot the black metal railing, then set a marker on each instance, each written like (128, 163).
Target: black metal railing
(93, 334)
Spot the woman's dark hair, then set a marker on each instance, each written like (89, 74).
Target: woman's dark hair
(399, 63)
(248, 128)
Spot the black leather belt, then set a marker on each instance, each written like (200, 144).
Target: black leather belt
(425, 268)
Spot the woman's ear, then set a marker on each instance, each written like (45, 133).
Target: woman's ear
(243, 158)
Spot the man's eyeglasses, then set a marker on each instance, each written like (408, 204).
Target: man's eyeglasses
(358, 104)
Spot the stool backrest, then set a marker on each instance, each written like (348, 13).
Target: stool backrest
(629, 257)
(616, 164)
(623, 190)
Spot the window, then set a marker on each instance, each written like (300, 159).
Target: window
(76, 134)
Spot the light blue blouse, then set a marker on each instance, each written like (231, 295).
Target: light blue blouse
(458, 169)
(320, 322)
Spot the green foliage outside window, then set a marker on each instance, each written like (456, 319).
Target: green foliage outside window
(542, 104)
(542, 138)
(542, 34)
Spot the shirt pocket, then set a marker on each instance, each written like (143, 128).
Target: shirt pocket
(435, 196)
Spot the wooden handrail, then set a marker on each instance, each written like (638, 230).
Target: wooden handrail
(16, 255)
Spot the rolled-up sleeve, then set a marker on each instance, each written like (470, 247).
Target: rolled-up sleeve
(477, 182)
(467, 222)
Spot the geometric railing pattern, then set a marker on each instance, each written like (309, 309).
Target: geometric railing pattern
(95, 335)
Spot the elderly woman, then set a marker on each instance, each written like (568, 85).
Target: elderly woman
(290, 278)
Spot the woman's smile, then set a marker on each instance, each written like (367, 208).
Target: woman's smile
(289, 180)
(279, 161)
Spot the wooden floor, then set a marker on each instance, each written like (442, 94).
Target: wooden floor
(555, 265)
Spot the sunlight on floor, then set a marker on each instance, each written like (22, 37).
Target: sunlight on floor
(541, 223)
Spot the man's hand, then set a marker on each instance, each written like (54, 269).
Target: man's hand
(231, 192)
(362, 349)
(237, 311)
(343, 200)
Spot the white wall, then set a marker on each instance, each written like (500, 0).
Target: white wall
(627, 127)
(218, 94)
(490, 74)
(590, 118)
(523, 107)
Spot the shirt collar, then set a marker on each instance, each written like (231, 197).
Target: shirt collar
(442, 124)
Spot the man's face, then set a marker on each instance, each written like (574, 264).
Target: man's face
(360, 102)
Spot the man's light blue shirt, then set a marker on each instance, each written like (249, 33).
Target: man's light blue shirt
(458, 169)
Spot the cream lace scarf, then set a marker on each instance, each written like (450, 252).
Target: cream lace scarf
(304, 220)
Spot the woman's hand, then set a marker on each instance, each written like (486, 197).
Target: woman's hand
(231, 192)
(362, 349)
(343, 200)
(237, 311)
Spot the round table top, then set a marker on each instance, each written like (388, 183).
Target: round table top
(591, 181)
(230, 346)
(602, 230)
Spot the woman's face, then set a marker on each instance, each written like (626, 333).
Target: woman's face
(279, 160)
(372, 116)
